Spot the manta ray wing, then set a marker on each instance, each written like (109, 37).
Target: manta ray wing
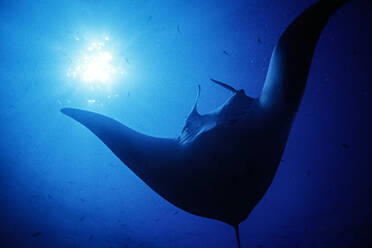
(291, 59)
(152, 159)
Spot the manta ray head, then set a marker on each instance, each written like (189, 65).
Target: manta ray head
(236, 107)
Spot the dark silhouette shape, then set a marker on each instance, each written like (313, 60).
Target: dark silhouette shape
(37, 234)
(223, 162)
(346, 146)
(149, 19)
(225, 52)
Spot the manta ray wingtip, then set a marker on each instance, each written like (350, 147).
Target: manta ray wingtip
(65, 110)
(68, 111)
(77, 114)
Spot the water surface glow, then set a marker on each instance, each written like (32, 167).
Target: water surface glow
(96, 65)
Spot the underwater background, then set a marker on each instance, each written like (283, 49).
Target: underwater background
(60, 186)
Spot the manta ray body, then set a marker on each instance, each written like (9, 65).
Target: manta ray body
(223, 162)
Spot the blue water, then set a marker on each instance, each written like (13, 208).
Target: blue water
(61, 187)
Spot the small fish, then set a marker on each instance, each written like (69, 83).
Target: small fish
(193, 234)
(355, 52)
(225, 52)
(149, 19)
(259, 40)
(345, 146)
(233, 121)
(36, 234)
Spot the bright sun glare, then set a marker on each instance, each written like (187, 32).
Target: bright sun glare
(96, 65)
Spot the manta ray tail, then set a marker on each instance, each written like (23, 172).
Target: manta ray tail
(290, 62)
(236, 227)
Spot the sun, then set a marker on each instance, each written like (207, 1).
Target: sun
(96, 65)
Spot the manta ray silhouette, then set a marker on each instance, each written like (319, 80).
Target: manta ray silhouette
(223, 162)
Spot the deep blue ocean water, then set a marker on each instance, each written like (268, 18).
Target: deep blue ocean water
(61, 187)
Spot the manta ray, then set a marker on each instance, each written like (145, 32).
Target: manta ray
(223, 162)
